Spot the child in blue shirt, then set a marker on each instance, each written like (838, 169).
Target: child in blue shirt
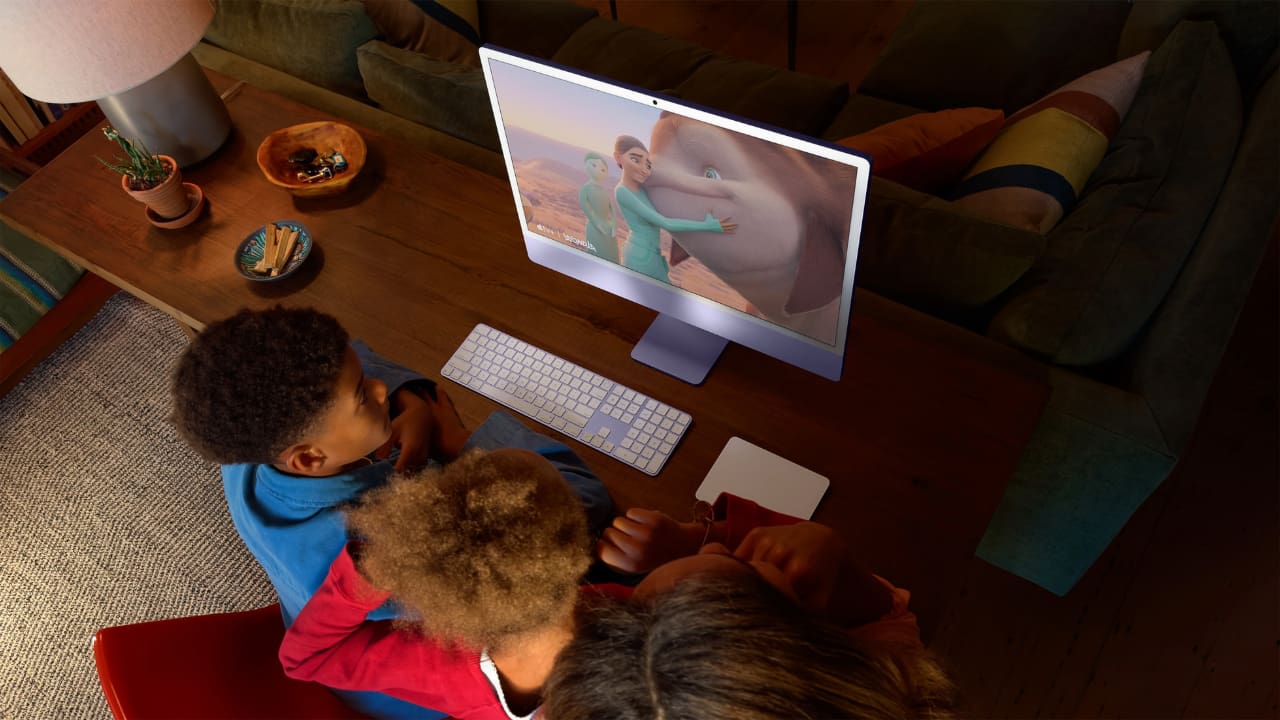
(303, 421)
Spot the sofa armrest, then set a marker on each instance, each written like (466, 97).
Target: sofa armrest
(1095, 457)
(1185, 340)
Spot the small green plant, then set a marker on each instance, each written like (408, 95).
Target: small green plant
(143, 169)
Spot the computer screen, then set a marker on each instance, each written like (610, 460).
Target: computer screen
(730, 230)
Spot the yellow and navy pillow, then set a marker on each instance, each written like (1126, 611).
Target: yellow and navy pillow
(447, 30)
(1033, 172)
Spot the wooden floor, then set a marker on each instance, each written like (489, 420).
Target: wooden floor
(1179, 617)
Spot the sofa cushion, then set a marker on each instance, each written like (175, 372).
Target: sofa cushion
(1249, 28)
(928, 151)
(922, 251)
(33, 279)
(441, 31)
(533, 28)
(631, 55)
(315, 40)
(789, 100)
(993, 53)
(1110, 262)
(448, 97)
(1033, 173)
(864, 112)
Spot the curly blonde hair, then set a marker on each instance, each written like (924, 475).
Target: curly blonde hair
(490, 546)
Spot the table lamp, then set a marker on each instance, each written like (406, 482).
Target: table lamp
(132, 56)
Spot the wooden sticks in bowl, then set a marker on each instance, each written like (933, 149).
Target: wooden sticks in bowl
(277, 247)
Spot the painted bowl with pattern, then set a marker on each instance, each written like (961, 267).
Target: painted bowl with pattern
(249, 252)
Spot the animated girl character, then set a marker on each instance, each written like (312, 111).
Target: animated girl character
(597, 205)
(643, 252)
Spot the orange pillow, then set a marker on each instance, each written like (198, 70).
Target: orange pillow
(929, 151)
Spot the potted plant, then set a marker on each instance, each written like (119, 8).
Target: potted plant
(154, 180)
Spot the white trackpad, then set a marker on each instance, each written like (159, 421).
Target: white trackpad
(751, 472)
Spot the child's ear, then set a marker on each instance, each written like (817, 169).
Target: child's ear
(305, 459)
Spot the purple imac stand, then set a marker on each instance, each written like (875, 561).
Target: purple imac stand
(679, 349)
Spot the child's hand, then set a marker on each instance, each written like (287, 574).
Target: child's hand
(808, 554)
(411, 430)
(448, 434)
(643, 539)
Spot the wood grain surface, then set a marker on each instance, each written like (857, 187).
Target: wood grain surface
(919, 438)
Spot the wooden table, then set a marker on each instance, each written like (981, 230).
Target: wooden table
(919, 438)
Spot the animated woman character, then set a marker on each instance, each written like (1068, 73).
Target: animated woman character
(643, 252)
(597, 205)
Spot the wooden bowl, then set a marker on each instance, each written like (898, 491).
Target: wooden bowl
(274, 152)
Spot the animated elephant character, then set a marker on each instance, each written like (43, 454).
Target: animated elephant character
(793, 212)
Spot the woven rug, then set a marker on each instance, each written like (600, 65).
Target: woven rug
(107, 518)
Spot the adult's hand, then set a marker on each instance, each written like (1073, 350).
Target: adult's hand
(808, 554)
(643, 539)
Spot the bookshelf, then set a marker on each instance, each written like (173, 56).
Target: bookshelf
(22, 118)
(51, 139)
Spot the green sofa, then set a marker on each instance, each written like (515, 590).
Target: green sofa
(1128, 302)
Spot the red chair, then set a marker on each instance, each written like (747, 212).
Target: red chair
(206, 666)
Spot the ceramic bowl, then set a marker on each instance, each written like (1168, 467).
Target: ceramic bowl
(324, 136)
(249, 252)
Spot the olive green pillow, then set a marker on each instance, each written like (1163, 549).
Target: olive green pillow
(993, 53)
(789, 100)
(1110, 262)
(631, 55)
(533, 28)
(315, 40)
(922, 251)
(441, 95)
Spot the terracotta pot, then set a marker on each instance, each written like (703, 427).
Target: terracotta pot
(169, 198)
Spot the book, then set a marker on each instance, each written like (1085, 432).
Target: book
(11, 127)
(18, 108)
(44, 110)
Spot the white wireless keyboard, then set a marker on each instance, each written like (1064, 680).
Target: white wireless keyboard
(620, 422)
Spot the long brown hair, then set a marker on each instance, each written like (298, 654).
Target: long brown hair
(732, 646)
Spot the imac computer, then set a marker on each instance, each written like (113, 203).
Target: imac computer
(730, 230)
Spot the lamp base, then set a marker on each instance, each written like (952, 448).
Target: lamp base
(176, 113)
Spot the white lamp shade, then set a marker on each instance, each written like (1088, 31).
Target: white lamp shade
(76, 50)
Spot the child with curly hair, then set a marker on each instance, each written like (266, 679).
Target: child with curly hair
(303, 420)
(485, 556)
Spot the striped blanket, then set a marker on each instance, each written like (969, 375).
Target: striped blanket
(32, 280)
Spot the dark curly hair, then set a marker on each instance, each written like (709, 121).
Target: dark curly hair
(477, 552)
(733, 646)
(253, 384)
